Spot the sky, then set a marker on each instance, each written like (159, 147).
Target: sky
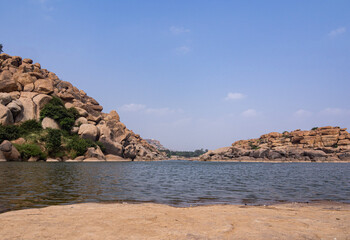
(195, 74)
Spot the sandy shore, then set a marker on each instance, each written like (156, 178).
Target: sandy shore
(154, 221)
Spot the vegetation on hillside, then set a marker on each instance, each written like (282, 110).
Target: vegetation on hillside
(42, 143)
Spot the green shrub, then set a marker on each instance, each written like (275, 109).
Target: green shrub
(74, 112)
(53, 141)
(64, 117)
(334, 145)
(79, 145)
(314, 128)
(10, 132)
(30, 126)
(30, 150)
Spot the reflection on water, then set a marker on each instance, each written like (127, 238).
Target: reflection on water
(180, 183)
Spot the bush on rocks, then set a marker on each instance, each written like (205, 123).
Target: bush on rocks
(56, 110)
(30, 150)
(9, 132)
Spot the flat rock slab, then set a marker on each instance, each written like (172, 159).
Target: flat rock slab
(154, 221)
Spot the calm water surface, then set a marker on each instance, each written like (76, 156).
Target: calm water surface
(180, 183)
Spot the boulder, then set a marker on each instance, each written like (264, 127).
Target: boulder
(89, 131)
(130, 152)
(94, 153)
(6, 117)
(5, 98)
(82, 112)
(9, 151)
(49, 123)
(80, 121)
(7, 85)
(29, 108)
(40, 101)
(314, 154)
(44, 86)
(25, 78)
(19, 141)
(15, 107)
(27, 60)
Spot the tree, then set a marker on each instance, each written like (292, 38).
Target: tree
(1, 48)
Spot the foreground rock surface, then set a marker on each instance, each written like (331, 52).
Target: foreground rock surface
(25, 88)
(152, 221)
(327, 144)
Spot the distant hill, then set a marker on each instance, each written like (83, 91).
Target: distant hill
(318, 144)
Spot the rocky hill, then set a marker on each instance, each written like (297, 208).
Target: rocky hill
(318, 144)
(25, 88)
(156, 144)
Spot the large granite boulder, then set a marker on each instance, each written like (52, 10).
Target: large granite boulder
(9, 152)
(89, 131)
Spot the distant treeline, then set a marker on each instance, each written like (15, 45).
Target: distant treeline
(186, 154)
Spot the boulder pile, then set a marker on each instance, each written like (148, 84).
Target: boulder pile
(319, 144)
(25, 88)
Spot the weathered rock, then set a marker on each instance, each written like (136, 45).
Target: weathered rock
(29, 107)
(89, 131)
(32, 86)
(80, 121)
(6, 117)
(9, 151)
(40, 101)
(94, 153)
(5, 98)
(321, 144)
(25, 78)
(49, 123)
(44, 86)
(130, 152)
(15, 107)
(19, 141)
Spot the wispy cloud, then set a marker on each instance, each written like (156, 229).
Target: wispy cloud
(133, 107)
(337, 32)
(234, 96)
(249, 113)
(301, 113)
(178, 30)
(182, 50)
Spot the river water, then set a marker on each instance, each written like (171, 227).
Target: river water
(178, 183)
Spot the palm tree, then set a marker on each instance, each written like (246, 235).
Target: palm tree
(1, 48)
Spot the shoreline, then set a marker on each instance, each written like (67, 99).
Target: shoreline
(326, 220)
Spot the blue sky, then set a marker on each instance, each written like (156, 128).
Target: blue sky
(195, 74)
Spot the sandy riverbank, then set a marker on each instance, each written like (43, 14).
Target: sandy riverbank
(153, 221)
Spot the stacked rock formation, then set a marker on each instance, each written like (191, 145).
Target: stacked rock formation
(26, 87)
(155, 143)
(318, 144)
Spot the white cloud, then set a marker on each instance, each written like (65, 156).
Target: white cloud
(178, 30)
(335, 111)
(337, 32)
(182, 50)
(234, 96)
(249, 113)
(132, 107)
(302, 113)
(159, 111)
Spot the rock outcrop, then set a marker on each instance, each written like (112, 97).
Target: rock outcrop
(318, 144)
(155, 143)
(25, 88)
